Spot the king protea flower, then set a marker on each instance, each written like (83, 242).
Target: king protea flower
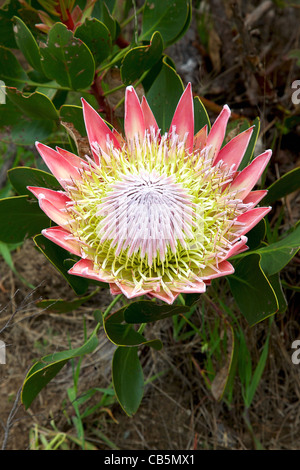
(153, 214)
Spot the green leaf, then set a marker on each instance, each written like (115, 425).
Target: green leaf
(5, 250)
(7, 37)
(146, 311)
(128, 379)
(256, 235)
(20, 218)
(64, 306)
(251, 146)
(276, 256)
(28, 132)
(200, 116)
(186, 24)
(5, 253)
(164, 94)
(251, 389)
(168, 17)
(285, 185)
(124, 334)
(97, 38)
(27, 44)
(102, 13)
(58, 257)
(10, 114)
(110, 4)
(252, 290)
(11, 71)
(43, 372)
(74, 115)
(229, 387)
(244, 361)
(22, 176)
(34, 105)
(276, 285)
(67, 59)
(295, 54)
(141, 58)
(221, 378)
(191, 299)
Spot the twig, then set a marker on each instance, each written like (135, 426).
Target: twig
(257, 13)
(18, 309)
(10, 422)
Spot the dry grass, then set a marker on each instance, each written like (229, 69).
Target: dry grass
(178, 411)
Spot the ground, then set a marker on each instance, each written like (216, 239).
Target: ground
(243, 61)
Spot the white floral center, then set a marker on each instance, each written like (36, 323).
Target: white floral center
(146, 213)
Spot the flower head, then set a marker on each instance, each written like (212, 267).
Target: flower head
(153, 214)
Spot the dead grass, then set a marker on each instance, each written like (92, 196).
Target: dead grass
(177, 411)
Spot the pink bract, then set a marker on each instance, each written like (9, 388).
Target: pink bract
(154, 214)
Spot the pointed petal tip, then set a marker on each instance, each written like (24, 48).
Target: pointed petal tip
(269, 152)
(34, 191)
(134, 122)
(217, 132)
(97, 130)
(39, 145)
(149, 118)
(251, 218)
(226, 112)
(45, 231)
(130, 90)
(233, 152)
(183, 118)
(85, 105)
(248, 177)
(189, 86)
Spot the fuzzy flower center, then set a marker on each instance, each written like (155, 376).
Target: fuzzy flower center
(146, 213)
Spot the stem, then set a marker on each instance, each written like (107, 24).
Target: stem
(42, 85)
(141, 328)
(114, 60)
(257, 443)
(115, 300)
(137, 12)
(117, 88)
